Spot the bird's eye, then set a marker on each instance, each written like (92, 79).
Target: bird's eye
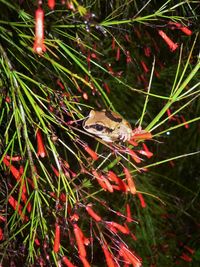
(99, 127)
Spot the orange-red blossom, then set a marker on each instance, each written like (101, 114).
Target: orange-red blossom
(39, 46)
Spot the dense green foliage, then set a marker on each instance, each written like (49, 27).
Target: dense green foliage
(99, 55)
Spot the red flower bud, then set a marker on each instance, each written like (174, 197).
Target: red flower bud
(57, 239)
(93, 214)
(51, 4)
(168, 41)
(39, 46)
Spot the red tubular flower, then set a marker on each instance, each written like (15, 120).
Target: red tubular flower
(7, 99)
(88, 59)
(109, 258)
(60, 84)
(118, 54)
(55, 171)
(185, 257)
(37, 242)
(146, 151)
(127, 254)
(56, 246)
(179, 26)
(100, 180)
(79, 240)
(133, 143)
(108, 184)
(133, 237)
(112, 228)
(3, 219)
(128, 213)
(144, 66)
(119, 227)
(113, 43)
(116, 187)
(74, 217)
(84, 261)
(142, 136)
(67, 262)
(94, 55)
(63, 197)
(128, 57)
(184, 120)
(16, 206)
(40, 145)
(126, 260)
(86, 241)
(17, 174)
(142, 201)
(1, 234)
(107, 88)
(189, 249)
(93, 214)
(39, 46)
(102, 184)
(169, 114)
(130, 181)
(51, 4)
(168, 41)
(133, 155)
(13, 170)
(186, 30)
(147, 51)
(14, 158)
(91, 152)
(170, 117)
(113, 177)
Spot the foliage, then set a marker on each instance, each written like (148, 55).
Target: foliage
(68, 195)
